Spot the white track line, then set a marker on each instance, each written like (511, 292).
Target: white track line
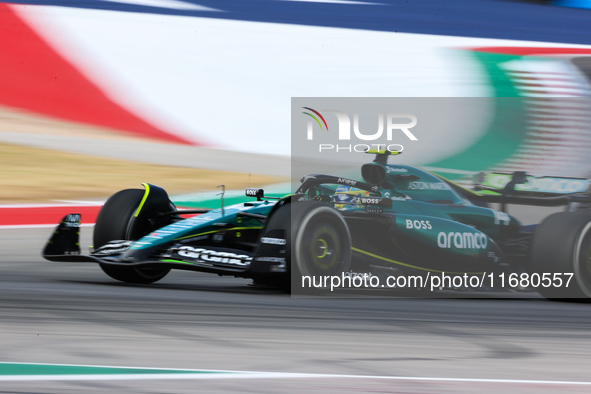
(222, 374)
(24, 226)
(18, 206)
(273, 375)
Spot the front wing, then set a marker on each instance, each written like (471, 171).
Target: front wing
(63, 246)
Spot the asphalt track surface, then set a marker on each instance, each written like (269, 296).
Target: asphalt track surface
(74, 314)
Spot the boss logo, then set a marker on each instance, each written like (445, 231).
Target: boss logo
(252, 192)
(373, 201)
(419, 224)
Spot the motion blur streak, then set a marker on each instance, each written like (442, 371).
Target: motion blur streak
(32, 215)
(36, 78)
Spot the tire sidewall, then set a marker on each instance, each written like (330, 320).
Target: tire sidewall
(584, 288)
(291, 217)
(557, 248)
(308, 222)
(117, 221)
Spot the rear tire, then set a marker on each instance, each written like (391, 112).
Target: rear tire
(562, 244)
(116, 221)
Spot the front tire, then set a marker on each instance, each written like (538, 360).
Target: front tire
(320, 243)
(116, 221)
(321, 240)
(562, 244)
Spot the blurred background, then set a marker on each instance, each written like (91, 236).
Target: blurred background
(206, 85)
(102, 95)
(96, 96)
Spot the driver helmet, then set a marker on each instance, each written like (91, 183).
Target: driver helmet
(348, 196)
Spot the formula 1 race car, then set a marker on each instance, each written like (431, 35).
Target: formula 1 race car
(400, 221)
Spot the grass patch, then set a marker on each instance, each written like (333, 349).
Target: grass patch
(39, 175)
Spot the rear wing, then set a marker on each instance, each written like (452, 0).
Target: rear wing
(523, 189)
(519, 183)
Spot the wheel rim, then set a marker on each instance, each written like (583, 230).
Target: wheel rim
(323, 248)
